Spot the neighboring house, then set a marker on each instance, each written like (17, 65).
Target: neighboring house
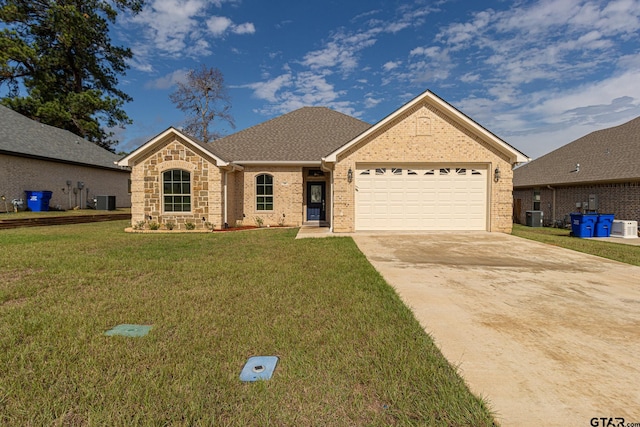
(426, 166)
(38, 157)
(604, 164)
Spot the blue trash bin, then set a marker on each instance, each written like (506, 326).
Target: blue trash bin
(38, 201)
(583, 225)
(603, 225)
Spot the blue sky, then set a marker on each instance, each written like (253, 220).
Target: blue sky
(538, 73)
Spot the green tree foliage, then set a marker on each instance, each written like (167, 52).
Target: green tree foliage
(59, 52)
(203, 96)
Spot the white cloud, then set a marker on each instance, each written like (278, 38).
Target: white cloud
(268, 90)
(391, 65)
(341, 52)
(370, 102)
(218, 25)
(246, 28)
(543, 73)
(168, 80)
(546, 120)
(169, 24)
(178, 28)
(289, 91)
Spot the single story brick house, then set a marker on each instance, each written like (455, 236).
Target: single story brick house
(426, 166)
(39, 157)
(604, 164)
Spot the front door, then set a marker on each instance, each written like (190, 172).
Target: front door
(316, 201)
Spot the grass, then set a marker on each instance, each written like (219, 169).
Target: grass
(49, 214)
(350, 352)
(628, 254)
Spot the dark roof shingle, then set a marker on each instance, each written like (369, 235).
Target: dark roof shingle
(303, 135)
(19, 135)
(605, 155)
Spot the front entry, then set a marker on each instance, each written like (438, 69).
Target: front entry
(316, 205)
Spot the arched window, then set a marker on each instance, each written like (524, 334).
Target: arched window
(176, 189)
(264, 192)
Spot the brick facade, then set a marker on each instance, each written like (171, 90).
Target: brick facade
(620, 199)
(20, 174)
(208, 190)
(288, 192)
(424, 135)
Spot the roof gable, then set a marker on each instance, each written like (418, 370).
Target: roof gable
(611, 154)
(457, 116)
(150, 146)
(303, 135)
(22, 136)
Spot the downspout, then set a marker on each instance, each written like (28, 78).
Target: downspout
(553, 205)
(226, 206)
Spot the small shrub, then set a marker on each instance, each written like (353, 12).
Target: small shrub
(209, 226)
(281, 221)
(154, 226)
(169, 225)
(259, 221)
(139, 225)
(189, 226)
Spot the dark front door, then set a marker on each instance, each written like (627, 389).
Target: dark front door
(316, 201)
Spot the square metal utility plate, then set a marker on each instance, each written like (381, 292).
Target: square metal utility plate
(127, 330)
(258, 368)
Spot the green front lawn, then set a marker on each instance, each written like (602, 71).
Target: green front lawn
(559, 237)
(350, 352)
(48, 214)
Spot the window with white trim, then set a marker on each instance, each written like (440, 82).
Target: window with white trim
(264, 192)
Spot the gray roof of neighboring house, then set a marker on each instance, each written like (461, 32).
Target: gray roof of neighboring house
(303, 135)
(608, 155)
(21, 136)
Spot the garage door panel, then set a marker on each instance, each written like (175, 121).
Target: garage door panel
(439, 198)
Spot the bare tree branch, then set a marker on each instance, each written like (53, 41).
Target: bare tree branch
(203, 97)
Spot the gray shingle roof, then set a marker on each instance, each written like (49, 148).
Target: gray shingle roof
(606, 155)
(22, 136)
(303, 135)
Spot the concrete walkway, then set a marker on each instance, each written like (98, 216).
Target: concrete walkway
(547, 335)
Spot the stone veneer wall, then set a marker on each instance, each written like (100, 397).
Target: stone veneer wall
(620, 199)
(424, 135)
(206, 187)
(20, 174)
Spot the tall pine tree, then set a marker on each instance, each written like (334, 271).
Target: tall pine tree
(59, 52)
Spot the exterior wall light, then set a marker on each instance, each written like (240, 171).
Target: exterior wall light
(496, 174)
(350, 175)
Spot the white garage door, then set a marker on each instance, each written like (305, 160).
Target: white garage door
(440, 198)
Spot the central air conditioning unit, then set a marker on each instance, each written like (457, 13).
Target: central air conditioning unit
(624, 229)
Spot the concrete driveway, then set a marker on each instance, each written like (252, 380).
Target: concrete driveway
(548, 336)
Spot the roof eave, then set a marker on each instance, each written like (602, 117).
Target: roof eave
(578, 183)
(277, 162)
(115, 166)
(129, 160)
(515, 156)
